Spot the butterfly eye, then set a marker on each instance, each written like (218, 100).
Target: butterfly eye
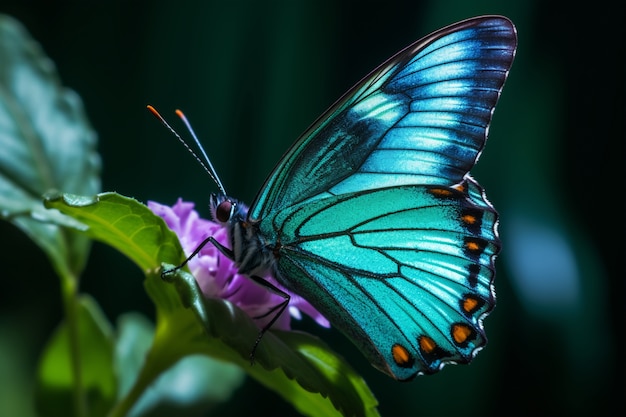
(224, 211)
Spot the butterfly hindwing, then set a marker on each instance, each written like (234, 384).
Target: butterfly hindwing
(395, 275)
(420, 118)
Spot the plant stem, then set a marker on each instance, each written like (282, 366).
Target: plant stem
(147, 375)
(69, 288)
(158, 359)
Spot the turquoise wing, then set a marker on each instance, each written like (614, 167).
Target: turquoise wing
(405, 272)
(372, 215)
(419, 118)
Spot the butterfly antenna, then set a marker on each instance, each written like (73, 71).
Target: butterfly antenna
(206, 163)
(182, 116)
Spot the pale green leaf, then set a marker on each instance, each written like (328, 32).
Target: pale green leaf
(46, 143)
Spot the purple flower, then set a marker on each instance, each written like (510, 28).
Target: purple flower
(217, 275)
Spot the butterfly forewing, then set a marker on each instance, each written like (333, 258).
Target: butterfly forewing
(420, 118)
(372, 215)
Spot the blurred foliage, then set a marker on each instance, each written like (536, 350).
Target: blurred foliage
(55, 380)
(251, 76)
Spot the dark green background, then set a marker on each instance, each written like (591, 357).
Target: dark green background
(252, 76)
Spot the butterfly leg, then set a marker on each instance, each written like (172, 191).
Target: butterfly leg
(227, 252)
(277, 310)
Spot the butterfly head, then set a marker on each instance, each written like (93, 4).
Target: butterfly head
(225, 209)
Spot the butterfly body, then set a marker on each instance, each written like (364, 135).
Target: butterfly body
(372, 215)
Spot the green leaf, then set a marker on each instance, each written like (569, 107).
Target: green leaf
(46, 143)
(346, 384)
(190, 387)
(55, 389)
(326, 383)
(298, 366)
(123, 223)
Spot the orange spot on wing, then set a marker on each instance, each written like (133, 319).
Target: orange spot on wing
(468, 219)
(401, 356)
(461, 333)
(469, 304)
(440, 192)
(427, 344)
(473, 246)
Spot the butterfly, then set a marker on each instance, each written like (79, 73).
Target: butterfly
(372, 215)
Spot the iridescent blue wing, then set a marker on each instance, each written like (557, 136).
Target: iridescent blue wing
(419, 118)
(372, 215)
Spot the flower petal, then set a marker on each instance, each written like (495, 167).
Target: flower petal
(218, 276)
